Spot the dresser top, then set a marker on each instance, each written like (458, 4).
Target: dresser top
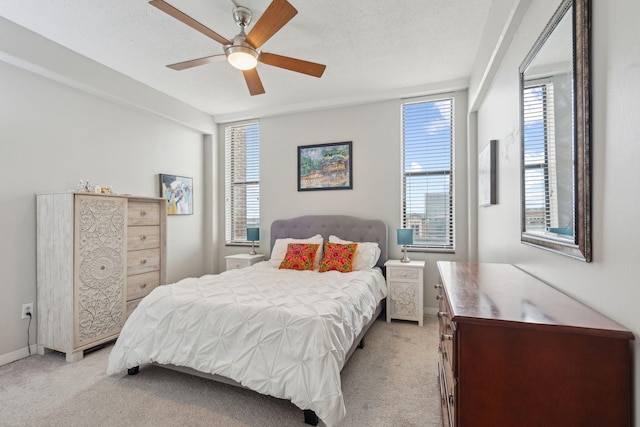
(485, 292)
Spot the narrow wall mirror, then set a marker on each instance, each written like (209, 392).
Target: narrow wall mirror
(555, 130)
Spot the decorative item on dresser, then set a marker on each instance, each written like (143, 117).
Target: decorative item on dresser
(516, 352)
(97, 256)
(242, 260)
(405, 290)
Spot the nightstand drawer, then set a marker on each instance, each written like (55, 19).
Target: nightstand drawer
(233, 262)
(403, 274)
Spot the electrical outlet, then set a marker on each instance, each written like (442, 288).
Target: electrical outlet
(27, 308)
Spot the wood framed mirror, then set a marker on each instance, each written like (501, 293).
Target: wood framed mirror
(555, 121)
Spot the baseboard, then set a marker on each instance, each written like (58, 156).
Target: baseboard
(17, 355)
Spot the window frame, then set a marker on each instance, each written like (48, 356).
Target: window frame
(236, 220)
(547, 162)
(449, 233)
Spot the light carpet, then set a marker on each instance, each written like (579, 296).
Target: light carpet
(393, 382)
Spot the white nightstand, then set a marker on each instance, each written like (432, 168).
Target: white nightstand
(405, 285)
(242, 260)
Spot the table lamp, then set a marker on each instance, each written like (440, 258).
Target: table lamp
(405, 237)
(253, 234)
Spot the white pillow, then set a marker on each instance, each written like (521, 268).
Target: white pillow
(367, 253)
(280, 250)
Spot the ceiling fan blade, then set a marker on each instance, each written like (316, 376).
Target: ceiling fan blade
(195, 62)
(293, 64)
(275, 17)
(180, 16)
(253, 81)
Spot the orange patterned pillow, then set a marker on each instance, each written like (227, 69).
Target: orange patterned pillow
(338, 257)
(299, 256)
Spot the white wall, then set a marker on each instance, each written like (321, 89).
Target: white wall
(374, 130)
(51, 136)
(610, 284)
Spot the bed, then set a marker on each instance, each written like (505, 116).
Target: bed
(280, 332)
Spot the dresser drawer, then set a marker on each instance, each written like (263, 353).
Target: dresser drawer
(446, 398)
(143, 261)
(131, 305)
(142, 213)
(143, 237)
(140, 285)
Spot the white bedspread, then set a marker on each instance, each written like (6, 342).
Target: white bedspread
(283, 333)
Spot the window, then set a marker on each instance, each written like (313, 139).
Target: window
(242, 179)
(540, 181)
(427, 172)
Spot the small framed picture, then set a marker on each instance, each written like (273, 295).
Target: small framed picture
(178, 190)
(325, 167)
(487, 175)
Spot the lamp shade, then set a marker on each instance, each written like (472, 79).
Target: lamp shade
(253, 234)
(405, 236)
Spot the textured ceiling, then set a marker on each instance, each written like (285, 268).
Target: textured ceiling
(369, 46)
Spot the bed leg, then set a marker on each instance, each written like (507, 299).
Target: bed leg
(134, 370)
(361, 345)
(310, 417)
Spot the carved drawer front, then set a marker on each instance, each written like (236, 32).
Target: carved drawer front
(141, 213)
(143, 237)
(144, 261)
(99, 273)
(140, 285)
(404, 273)
(404, 298)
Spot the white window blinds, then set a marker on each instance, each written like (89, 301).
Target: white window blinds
(540, 182)
(242, 179)
(427, 172)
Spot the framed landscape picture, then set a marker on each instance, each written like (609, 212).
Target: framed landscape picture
(178, 190)
(325, 167)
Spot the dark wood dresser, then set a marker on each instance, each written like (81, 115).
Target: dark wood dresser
(516, 352)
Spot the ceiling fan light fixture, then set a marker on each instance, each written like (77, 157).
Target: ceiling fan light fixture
(242, 57)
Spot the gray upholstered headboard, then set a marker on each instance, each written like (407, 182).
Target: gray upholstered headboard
(344, 226)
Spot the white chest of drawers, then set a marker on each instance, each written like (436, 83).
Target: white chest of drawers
(97, 257)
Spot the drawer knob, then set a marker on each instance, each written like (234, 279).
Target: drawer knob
(442, 314)
(437, 286)
(446, 337)
(143, 213)
(143, 261)
(143, 237)
(144, 285)
(438, 297)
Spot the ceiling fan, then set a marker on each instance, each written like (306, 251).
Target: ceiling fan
(243, 52)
